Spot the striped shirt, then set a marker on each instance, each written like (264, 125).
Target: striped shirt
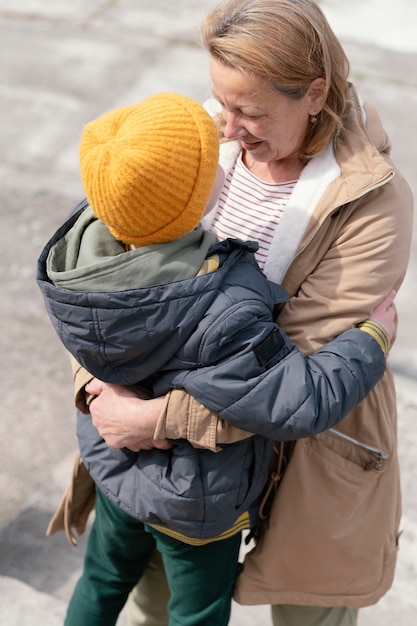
(250, 209)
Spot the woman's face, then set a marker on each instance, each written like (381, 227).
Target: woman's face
(269, 125)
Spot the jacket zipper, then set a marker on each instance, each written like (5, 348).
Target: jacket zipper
(380, 455)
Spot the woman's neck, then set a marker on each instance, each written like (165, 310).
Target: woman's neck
(274, 171)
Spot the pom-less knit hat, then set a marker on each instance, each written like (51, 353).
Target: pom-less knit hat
(148, 169)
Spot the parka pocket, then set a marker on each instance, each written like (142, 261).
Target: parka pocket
(333, 523)
(358, 453)
(348, 497)
(334, 474)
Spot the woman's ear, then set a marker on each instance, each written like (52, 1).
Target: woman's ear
(317, 95)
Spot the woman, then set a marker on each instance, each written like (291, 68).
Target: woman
(308, 175)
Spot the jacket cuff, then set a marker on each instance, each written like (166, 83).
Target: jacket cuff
(184, 418)
(378, 332)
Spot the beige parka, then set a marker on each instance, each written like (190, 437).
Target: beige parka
(332, 535)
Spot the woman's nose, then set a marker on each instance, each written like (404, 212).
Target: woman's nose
(232, 127)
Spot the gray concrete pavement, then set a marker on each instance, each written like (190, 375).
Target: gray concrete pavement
(63, 63)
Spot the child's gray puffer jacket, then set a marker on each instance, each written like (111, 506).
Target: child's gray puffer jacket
(214, 336)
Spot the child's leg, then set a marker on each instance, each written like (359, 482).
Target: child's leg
(147, 604)
(201, 579)
(117, 553)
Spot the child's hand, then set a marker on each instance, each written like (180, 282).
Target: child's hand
(384, 313)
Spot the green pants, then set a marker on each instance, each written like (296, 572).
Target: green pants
(200, 578)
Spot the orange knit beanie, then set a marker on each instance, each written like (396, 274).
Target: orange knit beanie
(148, 169)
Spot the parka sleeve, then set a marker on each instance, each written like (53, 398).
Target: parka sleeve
(81, 379)
(195, 422)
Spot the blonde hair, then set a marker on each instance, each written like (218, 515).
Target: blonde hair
(288, 43)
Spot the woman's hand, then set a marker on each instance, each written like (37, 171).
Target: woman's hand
(384, 313)
(123, 419)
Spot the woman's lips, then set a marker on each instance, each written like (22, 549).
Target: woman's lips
(249, 146)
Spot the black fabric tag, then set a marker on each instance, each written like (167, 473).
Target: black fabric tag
(269, 348)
